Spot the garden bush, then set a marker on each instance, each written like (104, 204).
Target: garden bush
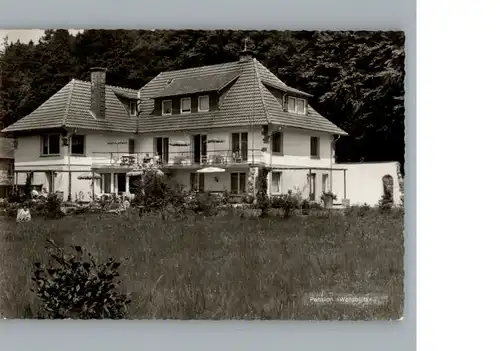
(287, 202)
(355, 210)
(203, 204)
(160, 193)
(52, 207)
(386, 202)
(36, 207)
(75, 286)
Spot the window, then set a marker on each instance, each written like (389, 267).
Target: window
(296, 105)
(238, 183)
(203, 103)
(51, 144)
(292, 104)
(77, 145)
(276, 182)
(166, 107)
(185, 105)
(315, 147)
(301, 106)
(133, 108)
(239, 146)
(277, 146)
(324, 183)
(197, 182)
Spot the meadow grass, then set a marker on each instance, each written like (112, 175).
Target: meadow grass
(223, 267)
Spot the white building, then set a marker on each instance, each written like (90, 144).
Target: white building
(237, 116)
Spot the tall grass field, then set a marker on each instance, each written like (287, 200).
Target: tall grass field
(222, 267)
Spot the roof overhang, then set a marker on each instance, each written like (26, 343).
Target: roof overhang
(285, 88)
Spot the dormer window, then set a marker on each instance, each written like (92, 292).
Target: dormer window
(296, 105)
(133, 108)
(186, 105)
(292, 104)
(203, 103)
(166, 107)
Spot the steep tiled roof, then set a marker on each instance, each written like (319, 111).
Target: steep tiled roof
(70, 107)
(245, 99)
(198, 84)
(50, 114)
(248, 101)
(236, 106)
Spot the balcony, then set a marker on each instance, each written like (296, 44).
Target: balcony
(187, 159)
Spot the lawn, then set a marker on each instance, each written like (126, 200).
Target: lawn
(223, 267)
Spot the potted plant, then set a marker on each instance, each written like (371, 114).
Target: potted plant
(327, 197)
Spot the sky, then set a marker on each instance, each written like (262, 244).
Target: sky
(25, 35)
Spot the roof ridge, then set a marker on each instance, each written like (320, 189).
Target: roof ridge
(129, 89)
(198, 67)
(108, 85)
(259, 82)
(68, 103)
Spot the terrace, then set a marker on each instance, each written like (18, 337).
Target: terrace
(180, 159)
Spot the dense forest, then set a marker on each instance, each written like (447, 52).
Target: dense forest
(357, 78)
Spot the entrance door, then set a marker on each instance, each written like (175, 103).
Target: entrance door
(120, 182)
(199, 147)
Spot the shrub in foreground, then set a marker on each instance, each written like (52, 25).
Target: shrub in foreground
(52, 207)
(75, 286)
(287, 202)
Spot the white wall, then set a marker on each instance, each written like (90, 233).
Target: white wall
(364, 182)
(27, 155)
(28, 152)
(297, 153)
(28, 158)
(298, 181)
(296, 149)
(98, 149)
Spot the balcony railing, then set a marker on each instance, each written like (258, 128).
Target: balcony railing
(176, 159)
